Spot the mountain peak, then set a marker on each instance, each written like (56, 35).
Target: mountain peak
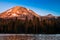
(17, 11)
(17, 6)
(49, 15)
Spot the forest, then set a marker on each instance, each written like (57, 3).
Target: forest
(36, 26)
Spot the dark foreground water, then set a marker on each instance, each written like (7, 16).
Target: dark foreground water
(29, 36)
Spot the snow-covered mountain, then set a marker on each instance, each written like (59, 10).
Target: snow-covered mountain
(19, 12)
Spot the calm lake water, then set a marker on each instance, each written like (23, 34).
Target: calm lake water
(29, 36)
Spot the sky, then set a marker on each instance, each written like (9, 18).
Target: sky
(41, 7)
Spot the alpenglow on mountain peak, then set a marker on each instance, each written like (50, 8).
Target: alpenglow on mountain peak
(17, 11)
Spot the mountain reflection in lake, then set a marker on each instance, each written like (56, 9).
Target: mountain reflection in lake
(29, 37)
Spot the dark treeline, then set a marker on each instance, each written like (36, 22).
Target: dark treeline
(35, 26)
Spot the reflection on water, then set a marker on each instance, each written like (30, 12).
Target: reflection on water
(29, 36)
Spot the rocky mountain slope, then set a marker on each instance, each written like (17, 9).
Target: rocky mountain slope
(18, 11)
